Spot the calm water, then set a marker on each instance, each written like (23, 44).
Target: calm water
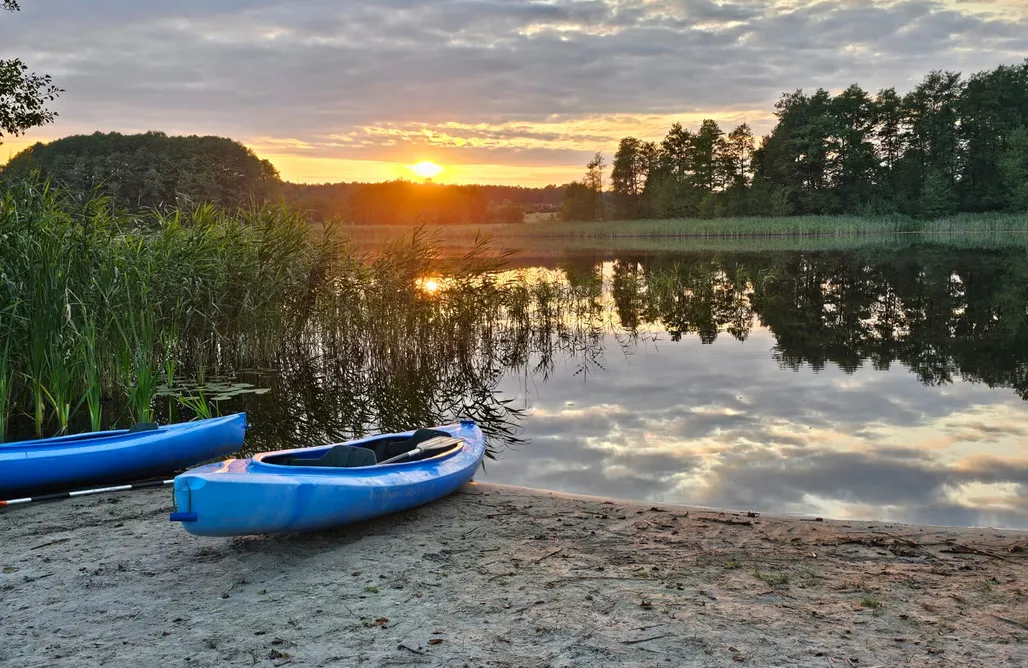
(884, 385)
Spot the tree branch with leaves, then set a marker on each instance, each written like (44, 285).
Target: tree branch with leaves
(23, 94)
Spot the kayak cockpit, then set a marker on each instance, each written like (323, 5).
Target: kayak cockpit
(422, 444)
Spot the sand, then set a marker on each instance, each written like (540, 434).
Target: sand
(505, 576)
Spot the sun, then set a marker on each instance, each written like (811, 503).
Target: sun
(426, 169)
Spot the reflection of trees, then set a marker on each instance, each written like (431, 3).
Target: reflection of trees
(705, 297)
(385, 354)
(390, 358)
(940, 312)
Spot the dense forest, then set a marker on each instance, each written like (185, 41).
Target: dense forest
(153, 170)
(950, 145)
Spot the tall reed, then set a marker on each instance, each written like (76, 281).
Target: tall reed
(92, 373)
(7, 344)
(110, 304)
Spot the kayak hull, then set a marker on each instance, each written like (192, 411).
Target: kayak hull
(30, 468)
(250, 496)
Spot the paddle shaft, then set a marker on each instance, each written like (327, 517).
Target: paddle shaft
(432, 444)
(86, 492)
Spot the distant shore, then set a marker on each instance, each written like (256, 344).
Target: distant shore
(507, 576)
(794, 233)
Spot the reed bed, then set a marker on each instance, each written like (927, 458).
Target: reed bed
(98, 307)
(850, 229)
(102, 313)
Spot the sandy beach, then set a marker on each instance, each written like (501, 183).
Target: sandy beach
(506, 576)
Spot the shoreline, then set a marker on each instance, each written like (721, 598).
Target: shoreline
(507, 576)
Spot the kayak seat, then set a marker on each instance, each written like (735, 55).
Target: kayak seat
(338, 456)
(371, 453)
(385, 448)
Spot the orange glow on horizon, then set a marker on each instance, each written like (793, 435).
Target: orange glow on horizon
(313, 169)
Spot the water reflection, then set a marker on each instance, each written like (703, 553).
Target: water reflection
(848, 384)
(864, 386)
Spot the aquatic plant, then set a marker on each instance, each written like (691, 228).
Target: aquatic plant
(7, 375)
(100, 306)
(124, 316)
(92, 380)
(198, 404)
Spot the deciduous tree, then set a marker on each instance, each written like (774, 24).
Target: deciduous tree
(23, 94)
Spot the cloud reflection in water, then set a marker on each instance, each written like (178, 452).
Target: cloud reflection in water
(728, 425)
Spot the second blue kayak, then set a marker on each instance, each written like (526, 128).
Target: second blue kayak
(28, 468)
(327, 486)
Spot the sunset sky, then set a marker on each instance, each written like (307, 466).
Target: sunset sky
(495, 91)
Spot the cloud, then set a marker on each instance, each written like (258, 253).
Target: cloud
(522, 83)
(725, 426)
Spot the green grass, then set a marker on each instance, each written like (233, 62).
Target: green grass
(772, 579)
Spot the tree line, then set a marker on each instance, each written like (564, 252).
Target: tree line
(153, 170)
(949, 145)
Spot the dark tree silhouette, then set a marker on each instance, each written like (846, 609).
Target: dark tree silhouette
(23, 94)
(152, 169)
(950, 145)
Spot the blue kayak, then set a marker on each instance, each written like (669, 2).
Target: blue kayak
(308, 489)
(28, 468)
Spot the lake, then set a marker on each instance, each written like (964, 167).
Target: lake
(884, 383)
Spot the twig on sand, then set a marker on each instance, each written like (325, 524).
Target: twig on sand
(547, 556)
(633, 579)
(636, 642)
(967, 549)
(1011, 621)
(473, 530)
(53, 542)
(726, 521)
(410, 649)
(347, 608)
(905, 541)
